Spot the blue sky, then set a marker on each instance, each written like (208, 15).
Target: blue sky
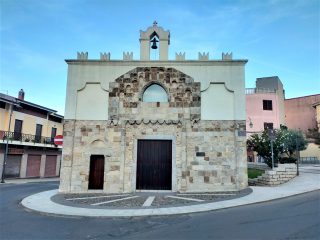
(278, 37)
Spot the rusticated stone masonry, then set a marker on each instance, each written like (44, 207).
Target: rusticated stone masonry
(125, 96)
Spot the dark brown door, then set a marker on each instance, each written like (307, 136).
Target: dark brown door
(53, 133)
(13, 166)
(38, 133)
(33, 165)
(96, 172)
(50, 168)
(154, 165)
(17, 130)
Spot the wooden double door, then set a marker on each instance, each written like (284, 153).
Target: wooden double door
(154, 165)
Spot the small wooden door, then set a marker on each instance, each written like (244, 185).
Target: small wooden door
(96, 174)
(154, 165)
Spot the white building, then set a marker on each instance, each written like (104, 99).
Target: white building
(163, 124)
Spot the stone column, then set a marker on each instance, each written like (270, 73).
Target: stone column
(58, 165)
(23, 166)
(42, 165)
(163, 50)
(1, 161)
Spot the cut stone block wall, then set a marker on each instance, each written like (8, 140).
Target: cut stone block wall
(208, 155)
(281, 174)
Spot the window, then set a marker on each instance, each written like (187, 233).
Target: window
(155, 93)
(267, 105)
(2, 105)
(267, 125)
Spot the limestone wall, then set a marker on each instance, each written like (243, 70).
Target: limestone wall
(208, 155)
(281, 174)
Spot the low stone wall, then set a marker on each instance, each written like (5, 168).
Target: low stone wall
(281, 174)
(260, 166)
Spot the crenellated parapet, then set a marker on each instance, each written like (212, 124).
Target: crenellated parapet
(203, 56)
(127, 56)
(105, 56)
(82, 55)
(180, 56)
(227, 56)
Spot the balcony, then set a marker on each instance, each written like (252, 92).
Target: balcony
(25, 139)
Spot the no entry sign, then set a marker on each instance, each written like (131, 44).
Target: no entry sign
(58, 140)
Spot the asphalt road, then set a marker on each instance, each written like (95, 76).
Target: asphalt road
(291, 218)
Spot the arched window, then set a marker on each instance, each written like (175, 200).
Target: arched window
(155, 93)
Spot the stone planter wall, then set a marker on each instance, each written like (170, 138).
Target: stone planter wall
(281, 174)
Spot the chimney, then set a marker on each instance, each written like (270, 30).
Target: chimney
(21, 94)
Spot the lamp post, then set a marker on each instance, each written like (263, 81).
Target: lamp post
(297, 150)
(272, 138)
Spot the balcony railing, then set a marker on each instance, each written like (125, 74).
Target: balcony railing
(17, 136)
(259, 90)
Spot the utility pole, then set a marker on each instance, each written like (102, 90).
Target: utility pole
(297, 151)
(7, 147)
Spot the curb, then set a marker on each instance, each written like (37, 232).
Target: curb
(258, 195)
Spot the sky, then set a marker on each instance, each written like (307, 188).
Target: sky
(278, 37)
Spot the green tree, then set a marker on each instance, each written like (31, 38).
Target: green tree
(293, 141)
(284, 142)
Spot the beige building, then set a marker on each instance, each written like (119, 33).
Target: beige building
(317, 108)
(134, 125)
(29, 130)
(302, 114)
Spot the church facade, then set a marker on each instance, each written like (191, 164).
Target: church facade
(134, 125)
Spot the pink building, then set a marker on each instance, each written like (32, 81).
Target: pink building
(300, 113)
(265, 105)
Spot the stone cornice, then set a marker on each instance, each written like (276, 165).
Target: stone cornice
(139, 63)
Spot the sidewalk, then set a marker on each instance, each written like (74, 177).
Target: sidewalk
(30, 180)
(306, 182)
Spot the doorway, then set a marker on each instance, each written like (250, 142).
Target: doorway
(96, 174)
(154, 165)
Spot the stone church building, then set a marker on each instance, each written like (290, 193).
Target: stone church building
(175, 125)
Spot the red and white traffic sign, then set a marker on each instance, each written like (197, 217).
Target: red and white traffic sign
(58, 140)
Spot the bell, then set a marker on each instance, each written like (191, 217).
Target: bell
(154, 43)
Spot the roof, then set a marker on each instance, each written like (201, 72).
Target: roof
(316, 104)
(302, 97)
(16, 101)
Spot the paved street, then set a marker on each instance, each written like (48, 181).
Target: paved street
(290, 218)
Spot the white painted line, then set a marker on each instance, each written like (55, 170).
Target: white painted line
(116, 200)
(108, 196)
(148, 202)
(183, 198)
(206, 194)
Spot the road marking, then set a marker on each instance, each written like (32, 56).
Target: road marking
(80, 198)
(116, 200)
(148, 202)
(206, 194)
(183, 198)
